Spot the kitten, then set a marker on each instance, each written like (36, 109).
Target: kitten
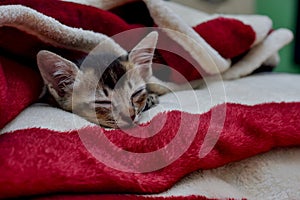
(107, 90)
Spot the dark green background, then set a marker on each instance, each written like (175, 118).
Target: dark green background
(284, 14)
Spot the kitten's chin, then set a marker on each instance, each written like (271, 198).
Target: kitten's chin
(115, 126)
(118, 125)
(124, 125)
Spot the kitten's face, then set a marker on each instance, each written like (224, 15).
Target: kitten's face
(105, 90)
(114, 98)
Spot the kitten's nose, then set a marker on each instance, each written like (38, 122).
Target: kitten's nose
(128, 117)
(132, 117)
(132, 114)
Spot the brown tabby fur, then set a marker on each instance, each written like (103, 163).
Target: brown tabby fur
(108, 90)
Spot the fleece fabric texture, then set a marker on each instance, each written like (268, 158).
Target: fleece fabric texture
(212, 37)
(34, 155)
(42, 161)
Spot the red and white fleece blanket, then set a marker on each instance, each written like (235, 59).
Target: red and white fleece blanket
(48, 153)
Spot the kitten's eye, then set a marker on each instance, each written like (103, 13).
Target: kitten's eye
(103, 102)
(138, 92)
(139, 99)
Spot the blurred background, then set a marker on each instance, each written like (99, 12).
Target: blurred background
(284, 13)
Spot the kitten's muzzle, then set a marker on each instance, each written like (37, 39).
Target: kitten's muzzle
(128, 119)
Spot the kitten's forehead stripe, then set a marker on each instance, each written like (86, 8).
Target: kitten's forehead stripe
(129, 84)
(113, 74)
(113, 68)
(105, 92)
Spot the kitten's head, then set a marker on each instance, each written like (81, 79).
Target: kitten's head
(107, 90)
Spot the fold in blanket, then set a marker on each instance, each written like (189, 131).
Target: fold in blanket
(212, 44)
(218, 38)
(39, 161)
(44, 160)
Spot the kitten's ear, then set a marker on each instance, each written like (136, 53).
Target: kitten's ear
(57, 72)
(142, 54)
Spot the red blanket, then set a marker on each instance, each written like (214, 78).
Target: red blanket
(40, 161)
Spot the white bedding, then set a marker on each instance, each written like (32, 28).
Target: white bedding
(250, 90)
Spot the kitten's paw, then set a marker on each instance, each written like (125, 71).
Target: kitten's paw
(152, 101)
